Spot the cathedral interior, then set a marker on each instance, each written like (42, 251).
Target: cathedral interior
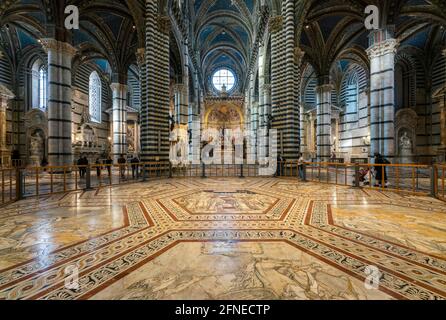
(103, 127)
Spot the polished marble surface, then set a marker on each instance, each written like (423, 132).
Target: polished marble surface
(225, 270)
(254, 238)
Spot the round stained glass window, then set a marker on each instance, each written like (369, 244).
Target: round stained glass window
(223, 77)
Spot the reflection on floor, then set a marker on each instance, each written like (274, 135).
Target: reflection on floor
(224, 239)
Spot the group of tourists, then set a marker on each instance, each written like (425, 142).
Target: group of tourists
(99, 165)
(377, 172)
(375, 175)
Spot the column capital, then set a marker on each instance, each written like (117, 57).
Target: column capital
(118, 87)
(164, 24)
(5, 93)
(52, 44)
(382, 48)
(141, 56)
(179, 87)
(325, 88)
(276, 23)
(298, 55)
(267, 87)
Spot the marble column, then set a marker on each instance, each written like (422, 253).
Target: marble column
(298, 58)
(382, 93)
(155, 108)
(195, 123)
(285, 109)
(254, 116)
(181, 105)
(323, 131)
(60, 55)
(262, 67)
(5, 153)
(443, 113)
(119, 92)
(267, 103)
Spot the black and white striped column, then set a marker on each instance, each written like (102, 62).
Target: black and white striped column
(298, 57)
(119, 92)
(181, 104)
(155, 108)
(285, 110)
(60, 55)
(195, 123)
(323, 131)
(262, 66)
(382, 95)
(254, 117)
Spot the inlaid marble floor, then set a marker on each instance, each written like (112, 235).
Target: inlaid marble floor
(226, 238)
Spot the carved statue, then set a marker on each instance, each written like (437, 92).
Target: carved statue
(405, 142)
(36, 147)
(131, 138)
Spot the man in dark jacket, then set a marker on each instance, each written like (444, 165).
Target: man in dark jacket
(122, 161)
(109, 163)
(381, 170)
(79, 166)
(135, 167)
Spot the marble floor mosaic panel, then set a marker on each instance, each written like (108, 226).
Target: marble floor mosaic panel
(253, 238)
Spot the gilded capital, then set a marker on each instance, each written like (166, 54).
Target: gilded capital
(324, 88)
(298, 55)
(267, 87)
(382, 48)
(5, 93)
(57, 46)
(141, 57)
(179, 88)
(118, 87)
(276, 24)
(164, 24)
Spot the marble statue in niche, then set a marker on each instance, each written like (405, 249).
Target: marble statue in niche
(131, 138)
(88, 136)
(405, 147)
(405, 142)
(36, 147)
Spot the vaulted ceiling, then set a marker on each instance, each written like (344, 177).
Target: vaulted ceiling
(223, 32)
(110, 31)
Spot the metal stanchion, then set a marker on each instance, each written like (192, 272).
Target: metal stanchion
(203, 170)
(434, 182)
(241, 171)
(20, 183)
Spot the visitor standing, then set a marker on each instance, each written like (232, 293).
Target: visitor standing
(98, 168)
(301, 166)
(380, 170)
(135, 167)
(79, 166)
(122, 162)
(109, 163)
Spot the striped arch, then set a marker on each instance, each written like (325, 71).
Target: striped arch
(405, 80)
